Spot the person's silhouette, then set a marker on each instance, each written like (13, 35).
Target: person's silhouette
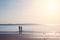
(19, 28)
(20, 31)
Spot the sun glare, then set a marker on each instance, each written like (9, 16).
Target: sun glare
(52, 7)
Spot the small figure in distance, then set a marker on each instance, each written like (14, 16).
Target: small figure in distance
(19, 28)
(20, 31)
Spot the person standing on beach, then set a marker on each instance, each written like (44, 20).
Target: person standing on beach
(20, 31)
(19, 28)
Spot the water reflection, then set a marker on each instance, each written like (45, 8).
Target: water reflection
(20, 34)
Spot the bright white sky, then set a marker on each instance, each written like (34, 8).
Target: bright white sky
(30, 11)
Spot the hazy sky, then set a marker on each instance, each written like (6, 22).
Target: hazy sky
(30, 11)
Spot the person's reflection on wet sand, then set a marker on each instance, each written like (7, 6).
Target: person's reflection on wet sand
(20, 35)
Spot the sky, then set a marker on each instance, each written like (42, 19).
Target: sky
(30, 11)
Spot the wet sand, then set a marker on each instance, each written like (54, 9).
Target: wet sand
(22, 37)
(8, 37)
(15, 37)
(26, 36)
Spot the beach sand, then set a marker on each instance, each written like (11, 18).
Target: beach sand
(22, 37)
(14, 37)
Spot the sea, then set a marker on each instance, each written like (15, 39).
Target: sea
(40, 30)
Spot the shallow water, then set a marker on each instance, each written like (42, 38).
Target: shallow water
(34, 28)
